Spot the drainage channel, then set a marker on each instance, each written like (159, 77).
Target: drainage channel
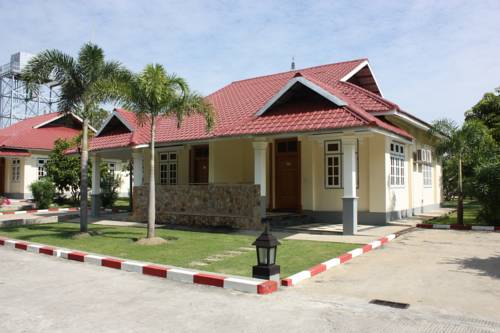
(391, 304)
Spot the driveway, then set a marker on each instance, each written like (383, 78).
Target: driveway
(451, 280)
(446, 271)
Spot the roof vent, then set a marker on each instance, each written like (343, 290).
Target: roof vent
(293, 64)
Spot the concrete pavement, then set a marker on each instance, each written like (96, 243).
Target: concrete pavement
(431, 271)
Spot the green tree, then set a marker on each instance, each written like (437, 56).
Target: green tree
(152, 94)
(487, 190)
(487, 110)
(78, 78)
(470, 144)
(64, 169)
(98, 118)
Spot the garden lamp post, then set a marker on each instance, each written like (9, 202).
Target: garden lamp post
(266, 246)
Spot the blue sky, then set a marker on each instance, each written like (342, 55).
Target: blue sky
(434, 58)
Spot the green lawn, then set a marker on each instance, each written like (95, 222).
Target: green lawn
(471, 209)
(122, 203)
(183, 248)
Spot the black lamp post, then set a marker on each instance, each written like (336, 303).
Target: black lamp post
(267, 246)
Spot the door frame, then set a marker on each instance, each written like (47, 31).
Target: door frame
(298, 206)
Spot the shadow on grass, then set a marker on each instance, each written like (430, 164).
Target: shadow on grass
(483, 266)
(71, 233)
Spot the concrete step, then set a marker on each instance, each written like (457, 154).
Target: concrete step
(286, 219)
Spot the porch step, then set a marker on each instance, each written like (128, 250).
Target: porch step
(282, 220)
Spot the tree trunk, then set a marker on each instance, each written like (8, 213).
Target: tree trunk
(84, 178)
(460, 206)
(152, 194)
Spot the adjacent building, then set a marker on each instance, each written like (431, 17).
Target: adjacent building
(25, 148)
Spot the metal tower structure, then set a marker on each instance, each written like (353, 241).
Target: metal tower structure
(15, 102)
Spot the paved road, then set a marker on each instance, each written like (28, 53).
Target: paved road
(43, 294)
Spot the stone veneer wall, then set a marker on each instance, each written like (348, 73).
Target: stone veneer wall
(231, 205)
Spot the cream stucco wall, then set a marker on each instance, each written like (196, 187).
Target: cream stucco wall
(28, 174)
(420, 195)
(231, 161)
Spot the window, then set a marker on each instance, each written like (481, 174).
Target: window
(16, 168)
(168, 168)
(427, 167)
(333, 164)
(42, 172)
(397, 164)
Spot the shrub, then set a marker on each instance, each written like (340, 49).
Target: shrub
(487, 191)
(43, 192)
(110, 183)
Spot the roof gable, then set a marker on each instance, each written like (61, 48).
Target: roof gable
(363, 76)
(116, 123)
(61, 119)
(292, 86)
(38, 132)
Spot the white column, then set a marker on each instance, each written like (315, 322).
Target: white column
(260, 150)
(96, 185)
(138, 172)
(349, 200)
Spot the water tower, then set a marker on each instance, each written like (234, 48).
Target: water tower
(15, 102)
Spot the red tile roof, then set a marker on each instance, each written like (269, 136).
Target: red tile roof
(24, 135)
(236, 106)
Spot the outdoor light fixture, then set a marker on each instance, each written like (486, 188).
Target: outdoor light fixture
(267, 246)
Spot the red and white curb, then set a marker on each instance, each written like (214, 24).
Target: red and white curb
(248, 285)
(49, 210)
(458, 227)
(301, 276)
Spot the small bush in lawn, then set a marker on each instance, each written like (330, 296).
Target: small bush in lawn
(43, 192)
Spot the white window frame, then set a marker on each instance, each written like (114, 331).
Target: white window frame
(330, 156)
(16, 170)
(427, 167)
(40, 167)
(397, 172)
(169, 170)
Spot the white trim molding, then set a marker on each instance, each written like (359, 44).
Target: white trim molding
(61, 116)
(357, 69)
(314, 87)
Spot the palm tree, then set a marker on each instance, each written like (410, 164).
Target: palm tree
(470, 143)
(78, 78)
(152, 94)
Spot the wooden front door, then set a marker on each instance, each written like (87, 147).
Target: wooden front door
(2, 175)
(199, 165)
(287, 156)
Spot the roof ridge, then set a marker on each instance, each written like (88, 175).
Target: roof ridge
(299, 70)
(371, 94)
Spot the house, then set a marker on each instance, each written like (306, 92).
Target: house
(321, 141)
(25, 148)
